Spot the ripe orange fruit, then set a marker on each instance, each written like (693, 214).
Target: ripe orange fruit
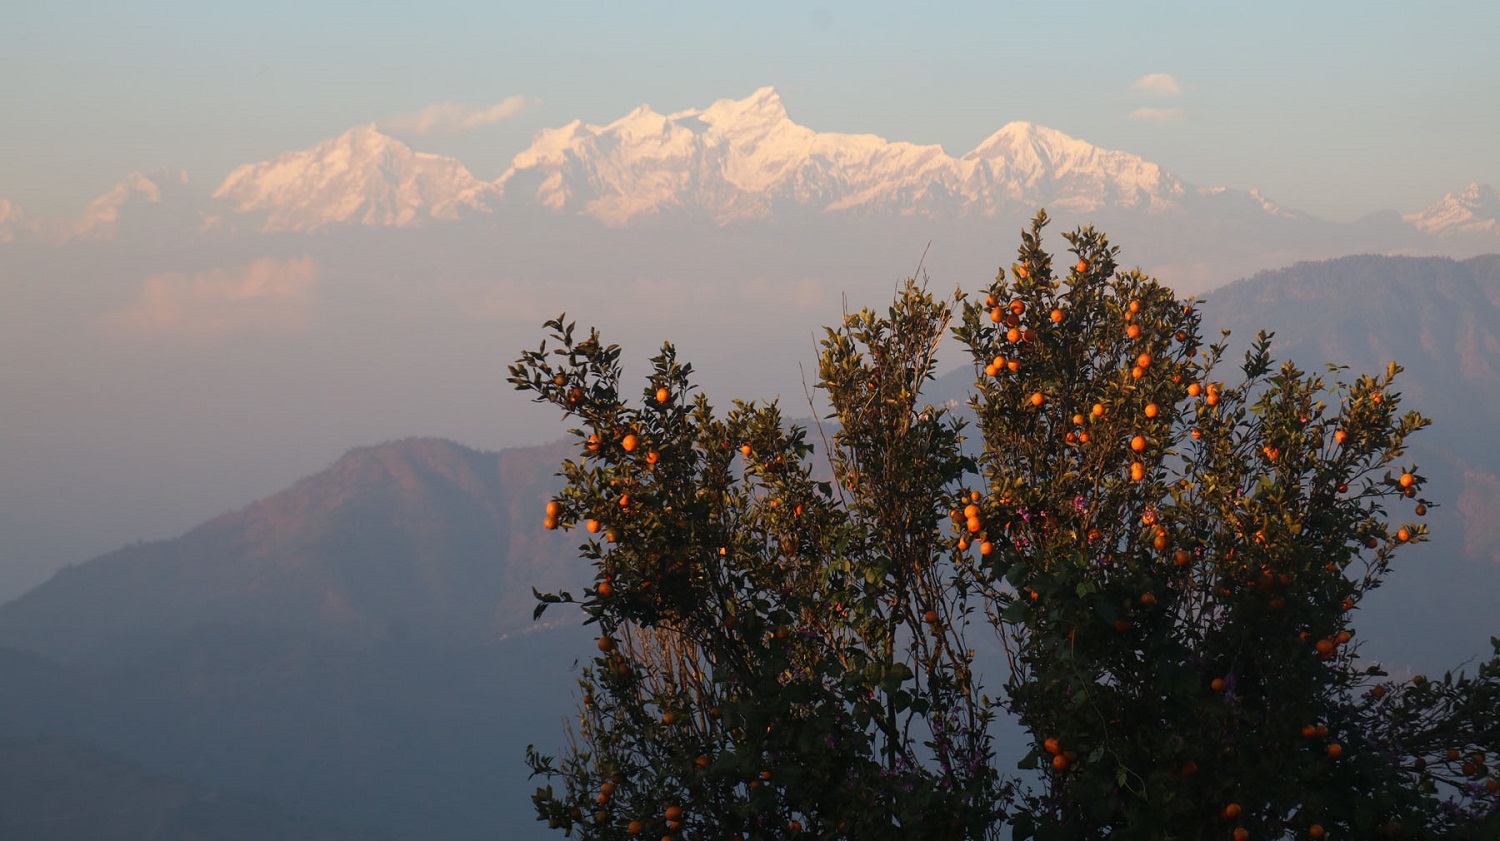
(605, 588)
(930, 617)
(606, 645)
(635, 828)
(554, 508)
(1407, 479)
(662, 395)
(1324, 646)
(1017, 307)
(1183, 557)
(745, 449)
(1403, 535)
(1232, 811)
(1197, 434)
(1148, 599)
(974, 525)
(549, 523)
(1057, 316)
(1137, 471)
(674, 813)
(593, 443)
(1052, 746)
(1335, 750)
(1082, 266)
(1189, 768)
(1060, 762)
(653, 457)
(1138, 443)
(668, 717)
(1143, 361)
(1135, 306)
(1037, 398)
(1217, 684)
(1133, 331)
(629, 443)
(1340, 436)
(1241, 834)
(593, 526)
(795, 826)
(986, 548)
(1194, 389)
(1022, 271)
(1152, 410)
(996, 315)
(1315, 831)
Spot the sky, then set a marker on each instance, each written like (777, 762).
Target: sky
(1338, 109)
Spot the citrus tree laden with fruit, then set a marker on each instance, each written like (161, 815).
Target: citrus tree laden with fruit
(1174, 559)
(777, 645)
(1171, 558)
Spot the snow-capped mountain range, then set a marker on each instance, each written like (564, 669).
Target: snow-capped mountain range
(732, 161)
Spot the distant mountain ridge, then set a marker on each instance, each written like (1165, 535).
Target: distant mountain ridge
(730, 162)
(414, 538)
(743, 159)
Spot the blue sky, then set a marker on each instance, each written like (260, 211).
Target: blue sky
(1335, 108)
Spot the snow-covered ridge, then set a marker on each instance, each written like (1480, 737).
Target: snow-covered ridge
(734, 160)
(743, 158)
(1475, 209)
(360, 177)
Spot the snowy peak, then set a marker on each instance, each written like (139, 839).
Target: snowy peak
(1473, 210)
(1030, 164)
(746, 158)
(360, 177)
(101, 219)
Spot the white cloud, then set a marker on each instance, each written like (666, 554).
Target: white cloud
(1157, 115)
(268, 295)
(453, 118)
(1157, 84)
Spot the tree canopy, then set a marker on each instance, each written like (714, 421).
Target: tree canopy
(1171, 559)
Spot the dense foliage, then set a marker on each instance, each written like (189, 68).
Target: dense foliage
(1171, 561)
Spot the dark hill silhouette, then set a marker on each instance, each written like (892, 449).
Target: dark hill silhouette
(52, 790)
(422, 538)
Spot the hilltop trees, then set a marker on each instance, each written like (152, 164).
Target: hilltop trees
(1171, 561)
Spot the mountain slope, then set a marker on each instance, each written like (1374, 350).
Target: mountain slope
(55, 791)
(415, 538)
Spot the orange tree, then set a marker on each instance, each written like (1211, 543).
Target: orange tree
(1173, 563)
(778, 653)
